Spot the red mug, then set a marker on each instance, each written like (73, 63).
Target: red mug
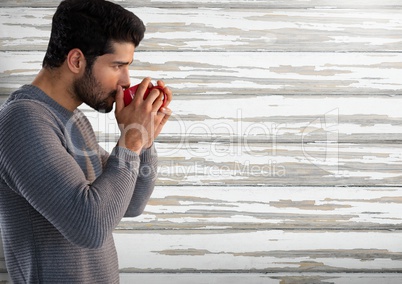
(130, 93)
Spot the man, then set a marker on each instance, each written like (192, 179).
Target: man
(61, 195)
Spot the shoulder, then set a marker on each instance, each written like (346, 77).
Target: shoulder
(30, 101)
(25, 111)
(25, 119)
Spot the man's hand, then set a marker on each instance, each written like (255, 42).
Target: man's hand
(140, 122)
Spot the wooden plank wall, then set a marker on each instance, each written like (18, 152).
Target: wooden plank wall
(282, 161)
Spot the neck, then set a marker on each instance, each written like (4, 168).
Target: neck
(57, 87)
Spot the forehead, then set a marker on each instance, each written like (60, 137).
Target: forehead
(122, 52)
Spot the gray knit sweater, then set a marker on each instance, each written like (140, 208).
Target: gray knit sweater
(61, 195)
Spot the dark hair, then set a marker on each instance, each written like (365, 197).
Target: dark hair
(92, 26)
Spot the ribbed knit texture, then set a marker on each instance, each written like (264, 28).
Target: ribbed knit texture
(61, 195)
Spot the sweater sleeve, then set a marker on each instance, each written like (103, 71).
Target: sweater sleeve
(36, 165)
(145, 182)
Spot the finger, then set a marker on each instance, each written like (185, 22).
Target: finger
(156, 97)
(166, 111)
(169, 96)
(160, 83)
(142, 88)
(163, 116)
(119, 99)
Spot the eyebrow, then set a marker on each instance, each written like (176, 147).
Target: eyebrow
(123, 62)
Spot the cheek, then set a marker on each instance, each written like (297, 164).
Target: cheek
(108, 78)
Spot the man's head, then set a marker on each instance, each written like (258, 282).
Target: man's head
(101, 34)
(91, 26)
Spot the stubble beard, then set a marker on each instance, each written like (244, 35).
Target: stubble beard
(89, 90)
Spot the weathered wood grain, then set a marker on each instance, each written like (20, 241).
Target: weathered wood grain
(310, 145)
(254, 30)
(243, 73)
(281, 164)
(274, 73)
(272, 119)
(192, 208)
(260, 278)
(271, 251)
(361, 4)
(252, 278)
(282, 161)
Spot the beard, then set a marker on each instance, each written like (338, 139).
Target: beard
(89, 90)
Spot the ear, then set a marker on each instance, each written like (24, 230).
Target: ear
(76, 61)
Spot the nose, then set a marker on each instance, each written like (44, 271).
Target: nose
(125, 78)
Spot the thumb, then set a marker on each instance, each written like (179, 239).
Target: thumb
(119, 99)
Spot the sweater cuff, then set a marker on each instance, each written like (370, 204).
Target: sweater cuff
(149, 154)
(126, 158)
(124, 153)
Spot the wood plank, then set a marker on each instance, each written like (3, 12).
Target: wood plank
(295, 164)
(238, 208)
(272, 119)
(319, 30)
(264, 251)
(240, 73)
(313, 164)
(257, 73)
(260, 278)
(251, 278)
(362, 4)
(187, 29)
